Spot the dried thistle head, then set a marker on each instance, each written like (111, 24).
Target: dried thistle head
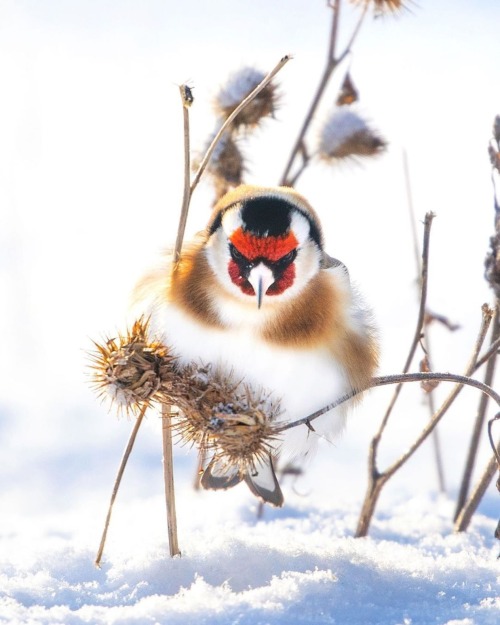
(238, 87)
(381, 7)
(220, 417)
(227, 165)
(494, 146)
(348, 92)
(131, 370)
(348, 135)
(492, 261)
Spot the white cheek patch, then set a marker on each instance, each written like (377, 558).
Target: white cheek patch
(300, 226)
(231, 220)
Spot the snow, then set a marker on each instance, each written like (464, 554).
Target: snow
(296, 565)
(90, 186)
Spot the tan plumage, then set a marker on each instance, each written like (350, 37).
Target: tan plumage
(309, 342)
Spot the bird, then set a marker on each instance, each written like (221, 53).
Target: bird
(255, 294)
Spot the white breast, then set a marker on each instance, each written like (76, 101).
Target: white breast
(302, 380)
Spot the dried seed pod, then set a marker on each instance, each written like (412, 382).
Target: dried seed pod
(382, 6)
(347, 135)
(496, 130)
(348, 92)
(131, 370)
(237, 88)
(218, 414)
(227, 165)
(223, 418)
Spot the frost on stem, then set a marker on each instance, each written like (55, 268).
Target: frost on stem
(348, 135)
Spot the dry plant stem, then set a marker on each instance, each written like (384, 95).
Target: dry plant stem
(492, 350)
(463, 519)
(168, 475)
(418, 330)
(377, 479)
(398, 378)
(429, 395)
(331, 63)
(186, 194)
(265, 81)
(496, 449)
(118, 479)
(478, 425)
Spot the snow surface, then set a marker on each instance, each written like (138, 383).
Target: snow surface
(296, 565)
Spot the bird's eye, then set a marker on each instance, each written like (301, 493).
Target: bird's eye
(288, 258)
(236, 254)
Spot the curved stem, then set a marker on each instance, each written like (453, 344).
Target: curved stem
(398, 378)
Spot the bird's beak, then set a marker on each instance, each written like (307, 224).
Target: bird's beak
(261, 278)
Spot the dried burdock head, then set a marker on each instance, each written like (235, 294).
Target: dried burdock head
(494, 146)
(131, 370)
(494, 155)
(237, 88)
(227, 165)
(496, 130)
(348, 92)
(348, 135)
(225, 419)
(382, 6)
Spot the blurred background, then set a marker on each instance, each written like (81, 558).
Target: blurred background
(90, 190)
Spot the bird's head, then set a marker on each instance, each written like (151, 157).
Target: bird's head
(264, 244)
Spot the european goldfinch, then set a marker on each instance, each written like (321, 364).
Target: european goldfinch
(257, 296)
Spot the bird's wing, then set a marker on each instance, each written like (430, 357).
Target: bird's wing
(328, 262)
(264, 484)
(219, 476)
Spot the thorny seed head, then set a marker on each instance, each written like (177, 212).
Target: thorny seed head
(131, 370)
(348, 135)
(224, 417)
(215, 412)
(382, 6)
(227, 165)
(237, 88)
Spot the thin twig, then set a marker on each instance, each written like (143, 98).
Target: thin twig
(398, 378)
(168, 476)
(429, 395)
(331, 63)
(463, 519)
(492, 442)
(265, 81)
(118, 480)
(491, 351)
(478, 426)
(419, 326)
(186, 193)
